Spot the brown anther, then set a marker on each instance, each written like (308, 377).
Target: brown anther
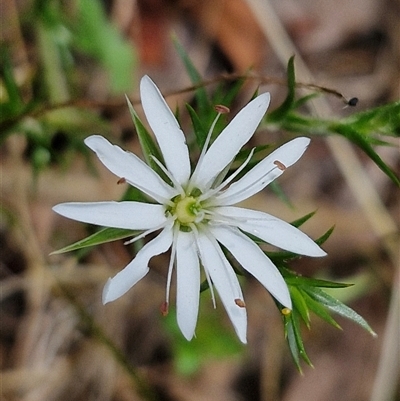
(280, 165)
(240, 302)
(122, 180)
(353, 102)
(221, 109)
(164, 308)
(286, 311)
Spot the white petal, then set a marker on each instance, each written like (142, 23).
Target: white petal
(230, 141)
(272, 230)
(130, 215)
(127, 165)
(138, 268)
(253, 259)
(225, 281)
(264, 172)
(188, 283)
(169, 135)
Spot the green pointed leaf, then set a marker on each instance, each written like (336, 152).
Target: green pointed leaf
(200, 131)
(277, 189)
(298, 281)
(338, 307)
(101, 237)
(277, 257)
(325, 236)
(287, 105)
(300, 305)
(319, 310)
(204, 286)
(291, 340)
(203, 103)
(363, 144)
(383, 120)
(147, 143)
(299, 339)
(134, 194)
(295, 340)
(228, 91)
(299, 222)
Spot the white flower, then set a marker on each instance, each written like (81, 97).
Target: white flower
(196, 214)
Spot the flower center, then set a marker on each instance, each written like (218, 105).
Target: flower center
(187, 210)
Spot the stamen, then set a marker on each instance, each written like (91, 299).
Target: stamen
(225, 263)
(143, 234)
(199, 216)
(208, 278)
(353, 101)
(228, 220)
(155, 196)
(286, 311)
(210, 286)
(164, 308)
(171, 262)
(280, 165)
(217, 218)
(222, 199)
(202, 153)
(213, 191)
(169, 175)
(208, 139)
(239, 302)
(122, 180)
(220, 108)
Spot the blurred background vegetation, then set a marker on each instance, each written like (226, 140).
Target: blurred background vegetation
(65, 67)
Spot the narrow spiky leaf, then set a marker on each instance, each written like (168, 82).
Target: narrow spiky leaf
(198, 127)
(299, 222)
(300, 304)
(359, 140)
(338, 307)
(201, 94)
(319, 310)
(147, 143)
(101, 237)
(288, 103)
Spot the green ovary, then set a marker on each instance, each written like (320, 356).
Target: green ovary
(186, 210)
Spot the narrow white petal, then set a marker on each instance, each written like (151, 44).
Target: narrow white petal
(127, 165)
(264, 172)
(138, 268)
(225, 281)
(230, 141)
(130, 215)
(166, 129)
(272, 230)
(188, 283)
(253, 259)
